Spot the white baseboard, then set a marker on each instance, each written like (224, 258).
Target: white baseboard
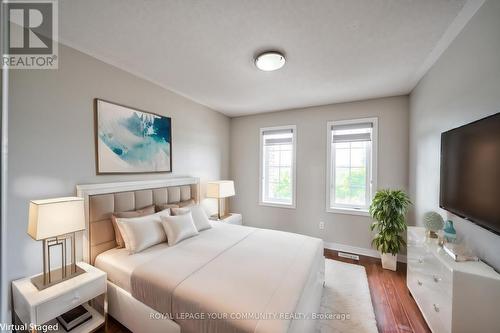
(358, 250)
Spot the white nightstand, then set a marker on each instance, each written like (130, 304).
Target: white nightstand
(234, 218)
(37, 307)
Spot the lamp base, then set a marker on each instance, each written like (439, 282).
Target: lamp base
(56, 277)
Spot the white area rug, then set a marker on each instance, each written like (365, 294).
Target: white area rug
(346, 298)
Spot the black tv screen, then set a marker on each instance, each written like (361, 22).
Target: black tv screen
(470, 172)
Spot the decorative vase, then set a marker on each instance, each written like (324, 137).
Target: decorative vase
(450, 234)
(389, 261)
(433, 222)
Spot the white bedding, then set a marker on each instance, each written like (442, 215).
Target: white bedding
(119, 264)
(226, 269)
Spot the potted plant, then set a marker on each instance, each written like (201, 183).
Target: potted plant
(388, 209)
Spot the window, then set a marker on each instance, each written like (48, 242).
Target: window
(277, 166)
(352, 165)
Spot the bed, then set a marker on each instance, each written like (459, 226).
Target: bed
(227, 279)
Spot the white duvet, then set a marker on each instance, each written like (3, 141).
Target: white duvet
(234, 279)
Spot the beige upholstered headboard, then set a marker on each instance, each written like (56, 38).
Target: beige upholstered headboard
(102, 200)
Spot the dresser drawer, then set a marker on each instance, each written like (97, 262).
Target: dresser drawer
(415, 251)
(440, 276)
(437, 307)
(423, 262)
(434, 300)
(417, 283)
(59, 305)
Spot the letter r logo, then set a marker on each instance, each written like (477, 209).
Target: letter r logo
(30, 27)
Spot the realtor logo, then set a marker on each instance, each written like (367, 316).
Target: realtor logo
(32, 34)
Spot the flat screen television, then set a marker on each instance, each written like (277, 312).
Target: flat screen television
(470, 172)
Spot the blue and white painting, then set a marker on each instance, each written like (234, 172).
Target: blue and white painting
(130, 140)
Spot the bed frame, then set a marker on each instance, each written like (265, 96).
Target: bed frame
(101, 201)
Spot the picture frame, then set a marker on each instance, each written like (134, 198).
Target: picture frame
(131, 141)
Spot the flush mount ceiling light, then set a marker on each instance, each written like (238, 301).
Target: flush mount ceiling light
(270, 61)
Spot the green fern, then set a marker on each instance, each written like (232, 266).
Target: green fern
(388, 209)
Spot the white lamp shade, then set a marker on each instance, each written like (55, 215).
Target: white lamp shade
(220, 189)
(55, 217)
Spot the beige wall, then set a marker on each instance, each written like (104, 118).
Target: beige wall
(463, 86)
(51, 139)
(311, 167)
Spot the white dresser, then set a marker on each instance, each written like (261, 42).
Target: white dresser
(453, 296)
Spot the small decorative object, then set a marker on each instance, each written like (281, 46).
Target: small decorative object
(54, 222)
(441, 239)
(459, 252)
(389, 208)
(131, 141)
(74, 317)
(433, 222)
(450, 234)
(221, 189)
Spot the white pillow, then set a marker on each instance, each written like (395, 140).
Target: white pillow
(178, 228)
(200, 218)
(139, 233)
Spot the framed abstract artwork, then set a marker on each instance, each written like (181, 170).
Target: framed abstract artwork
(129, 140)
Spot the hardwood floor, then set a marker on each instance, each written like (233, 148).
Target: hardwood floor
(395, 309)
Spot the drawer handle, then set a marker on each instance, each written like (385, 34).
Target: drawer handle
(436, 307)
(419, 282)
(436, 278)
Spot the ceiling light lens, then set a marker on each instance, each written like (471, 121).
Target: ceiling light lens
(270, 61)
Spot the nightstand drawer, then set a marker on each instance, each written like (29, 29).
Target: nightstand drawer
(58, 305)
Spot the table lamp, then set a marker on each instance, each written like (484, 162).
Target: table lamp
(54, 221)
(220, 189)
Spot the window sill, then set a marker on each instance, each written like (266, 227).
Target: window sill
(348, 211)
(276, 205)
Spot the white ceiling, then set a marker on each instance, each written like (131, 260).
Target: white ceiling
(336, 50)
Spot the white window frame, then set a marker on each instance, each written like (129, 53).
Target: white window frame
(372, 169)
(293, 166)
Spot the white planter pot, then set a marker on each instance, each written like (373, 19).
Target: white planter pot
(389, 261)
